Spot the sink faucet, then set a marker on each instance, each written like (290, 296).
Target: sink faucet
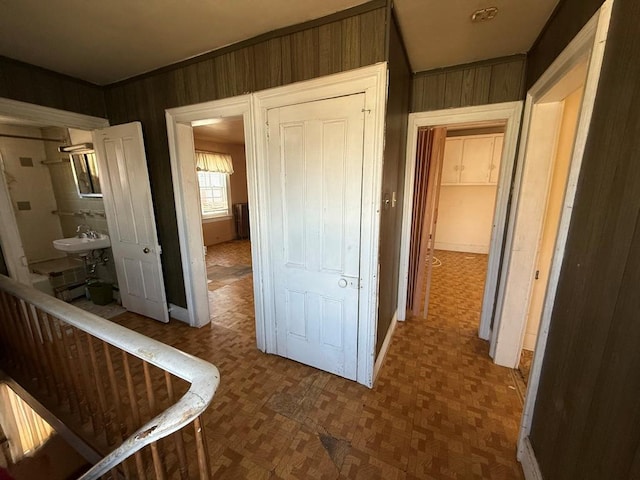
(84, 231)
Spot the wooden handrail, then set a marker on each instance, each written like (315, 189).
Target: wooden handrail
(35, 314)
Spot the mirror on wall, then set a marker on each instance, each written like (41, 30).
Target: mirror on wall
(85, 169)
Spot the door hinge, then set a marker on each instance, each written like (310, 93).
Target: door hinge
(268, 133)
(159, 250)
(537, 274)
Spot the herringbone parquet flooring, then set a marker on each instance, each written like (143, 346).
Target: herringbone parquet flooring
(440, 408)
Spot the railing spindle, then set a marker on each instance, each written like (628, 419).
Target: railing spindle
(73, 360)
(29, 341)
(135, 412)
(47, 380)
(18, 337)
(110, 428)
(60, 363)
(201, 448)
(177, 436)
(52, 347)
(52, 366)
(88, 389)
(158, 463)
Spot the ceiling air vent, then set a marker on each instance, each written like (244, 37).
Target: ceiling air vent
(484, 14)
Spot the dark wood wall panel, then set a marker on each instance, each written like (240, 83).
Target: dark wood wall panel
(326, 46)
(481, 83)
(566, 21)
(27, 83)
(393, 180)
(586, 422)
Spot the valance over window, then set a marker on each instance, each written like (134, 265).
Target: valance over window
(213, 162)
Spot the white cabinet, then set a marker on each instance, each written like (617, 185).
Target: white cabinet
(472, 160)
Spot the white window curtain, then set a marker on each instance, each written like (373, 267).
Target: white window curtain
(214, 162)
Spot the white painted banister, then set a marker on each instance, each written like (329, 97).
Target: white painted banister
(202, 376)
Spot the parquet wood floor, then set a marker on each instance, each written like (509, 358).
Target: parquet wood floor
(440, 408)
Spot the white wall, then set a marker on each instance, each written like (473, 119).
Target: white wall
(65, 190)
(218, 231)
(38, 226)
(465, 214)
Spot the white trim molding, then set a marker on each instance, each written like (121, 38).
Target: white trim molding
(510, 113)
(529, 462)
(186, 193)
(593, 37)
(385, 347)
(179, 313)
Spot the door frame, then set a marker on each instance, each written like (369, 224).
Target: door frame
(509, 112)
(9, 233)
(592, 37)
(519, 265)
(187, 202)
(372, 81)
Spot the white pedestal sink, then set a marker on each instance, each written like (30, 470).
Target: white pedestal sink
(82, 245)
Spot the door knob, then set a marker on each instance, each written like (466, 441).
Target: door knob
(146, 250)
(342, 283)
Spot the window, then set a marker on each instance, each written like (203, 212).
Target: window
(214, 194)
(213, 179)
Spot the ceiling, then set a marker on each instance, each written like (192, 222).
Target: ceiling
(104, 42)
(440, 33)
(227, 130)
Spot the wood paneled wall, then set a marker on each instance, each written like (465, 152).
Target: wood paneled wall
(566, 21)
(393, 180)
(480, 83)
(586, 422)
(27, 83)
(344, 41)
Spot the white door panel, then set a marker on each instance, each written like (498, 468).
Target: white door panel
(315, 171)
(132, 228)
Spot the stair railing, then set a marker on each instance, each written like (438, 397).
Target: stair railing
(114, 388)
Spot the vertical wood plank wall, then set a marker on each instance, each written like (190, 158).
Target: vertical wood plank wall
(492, 81)
(566, 21)
(586, 422)
(321, 48)
(26, 83)
(393, 180)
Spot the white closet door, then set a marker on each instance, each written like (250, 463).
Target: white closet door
(315, 181)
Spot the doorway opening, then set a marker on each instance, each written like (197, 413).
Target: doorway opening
(221, 167)
(506, 116)
(451, 241)
(45, 199)
(564, 109)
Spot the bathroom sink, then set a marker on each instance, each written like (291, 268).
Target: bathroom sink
(82, 245)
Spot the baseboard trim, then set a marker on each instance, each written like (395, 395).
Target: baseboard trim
(529, 462)
(385, 346)
(462, 247)
(179, 313)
